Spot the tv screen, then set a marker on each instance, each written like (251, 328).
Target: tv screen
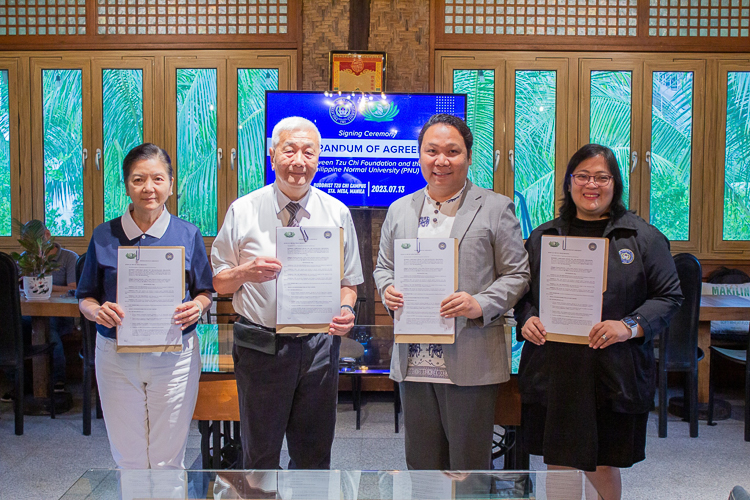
(369, 155)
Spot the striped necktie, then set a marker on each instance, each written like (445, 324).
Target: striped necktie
(293, 207)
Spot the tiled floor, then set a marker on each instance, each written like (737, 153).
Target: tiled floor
(52, 454)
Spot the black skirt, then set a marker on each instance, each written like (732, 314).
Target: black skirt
(573, 424)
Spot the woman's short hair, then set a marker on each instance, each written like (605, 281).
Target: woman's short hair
(292, 124)
(145, 151)
(617, 209)
(451, 121)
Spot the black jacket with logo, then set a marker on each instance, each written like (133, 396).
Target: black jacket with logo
(642, 283)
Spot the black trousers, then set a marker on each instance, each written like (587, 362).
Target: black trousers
(448, 427)
(292, 392)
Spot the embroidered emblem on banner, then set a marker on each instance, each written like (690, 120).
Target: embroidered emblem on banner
(342, 111)
(424, 221)
(626, 256)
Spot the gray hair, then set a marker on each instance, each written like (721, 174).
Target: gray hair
(292, 124)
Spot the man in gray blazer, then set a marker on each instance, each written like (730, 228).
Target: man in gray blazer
(448, 391)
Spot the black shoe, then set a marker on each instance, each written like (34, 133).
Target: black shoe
(59, 387)
(8, 397)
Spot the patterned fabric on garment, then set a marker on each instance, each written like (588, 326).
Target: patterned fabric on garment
(292, 207)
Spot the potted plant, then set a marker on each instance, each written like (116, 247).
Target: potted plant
(36, 262)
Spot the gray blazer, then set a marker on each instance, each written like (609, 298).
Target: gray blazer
(492, 266)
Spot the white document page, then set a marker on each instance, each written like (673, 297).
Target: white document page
(308, 289)
(150, 284)
(424, 271)
(572, 279)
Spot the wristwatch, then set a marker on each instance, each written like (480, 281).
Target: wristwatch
(632, 324)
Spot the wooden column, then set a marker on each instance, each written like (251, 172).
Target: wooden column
(359, 24)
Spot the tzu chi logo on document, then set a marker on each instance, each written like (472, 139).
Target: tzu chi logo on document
(289, 234)
(130, 256)
(592, 246)
(327, 235)
(626, 256)
(342, 111)
(442, 245)
(169, 256)
(554, 244)
(406, 246)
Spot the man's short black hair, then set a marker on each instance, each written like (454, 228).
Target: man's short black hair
(451, 121)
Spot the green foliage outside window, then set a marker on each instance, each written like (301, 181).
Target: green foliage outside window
(122, 122)
(671, 148)
(251, 122)
(534, 146)
(479, 86)
(63, 151)
(5, 212)
(610, 118)
(737, 158)
(196, 148)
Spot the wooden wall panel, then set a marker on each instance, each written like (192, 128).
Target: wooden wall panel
(402, 29)
(325, 27)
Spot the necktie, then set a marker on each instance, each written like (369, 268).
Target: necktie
(292, 207)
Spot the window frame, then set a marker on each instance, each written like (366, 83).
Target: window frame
(19, 178)
(696, 240)
(586, 66)
(719, 156)
(563, 119)
(37, 66)
(145, 64)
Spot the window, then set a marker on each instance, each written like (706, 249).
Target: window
(671, 152)
(736, 224)
(479, 86)
(63, 151)
(252, 84)
(5, 183)
(610, 118)
(122, 124)
(197, 153)
(535, 145)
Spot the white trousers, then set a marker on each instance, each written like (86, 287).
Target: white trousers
(148, 401)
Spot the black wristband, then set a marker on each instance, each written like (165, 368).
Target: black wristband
(347, 306)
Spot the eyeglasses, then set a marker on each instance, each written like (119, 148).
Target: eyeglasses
(600, 180)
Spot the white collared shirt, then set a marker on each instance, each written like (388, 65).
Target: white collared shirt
(249, 231)
(157, 229)
(426, 362)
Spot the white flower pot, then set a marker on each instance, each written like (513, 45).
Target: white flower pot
(37, 288)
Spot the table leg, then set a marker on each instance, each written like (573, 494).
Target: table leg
(205, 430)
(40, 335)
(704, 365)
(216, 427)
(357, 395)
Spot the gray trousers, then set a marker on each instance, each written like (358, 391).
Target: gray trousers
(448, 427)
(292, 392)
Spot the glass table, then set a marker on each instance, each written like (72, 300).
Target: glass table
(105, 484)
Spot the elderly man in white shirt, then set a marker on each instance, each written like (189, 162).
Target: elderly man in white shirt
(286, 384)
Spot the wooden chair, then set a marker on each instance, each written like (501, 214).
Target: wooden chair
(678, 345)
(13, 351)
(88, 332)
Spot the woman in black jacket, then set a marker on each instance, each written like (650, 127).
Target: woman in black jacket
(586, 406)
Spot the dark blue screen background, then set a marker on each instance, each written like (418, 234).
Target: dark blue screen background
(369, 151)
